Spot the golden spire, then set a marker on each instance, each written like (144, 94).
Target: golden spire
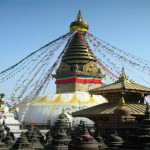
(123, 75)
(79, 17)
(79, 23)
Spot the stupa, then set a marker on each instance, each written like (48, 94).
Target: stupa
(76, 75)
(7, 117)
(84, 141)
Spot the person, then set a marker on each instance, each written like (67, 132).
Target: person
(11, 133)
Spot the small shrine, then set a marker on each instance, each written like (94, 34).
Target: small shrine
(22, 143)
(35, 142)
(125, 107)
(84, 141)
(7, 117)
(99, 140)
(114, 141)
(61, 141)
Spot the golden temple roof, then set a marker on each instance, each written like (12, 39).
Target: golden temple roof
(108, 109)
(123, 84)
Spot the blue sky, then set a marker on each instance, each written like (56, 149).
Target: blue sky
(27, 25)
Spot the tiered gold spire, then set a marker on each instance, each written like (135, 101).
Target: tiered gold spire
(77, 53)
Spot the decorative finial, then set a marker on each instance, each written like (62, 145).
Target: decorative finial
(79, 17)
(123, 75)
(79, 24)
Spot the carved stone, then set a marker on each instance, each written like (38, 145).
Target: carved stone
(9, 141)
(91, 67)
(22, 144)
(63, 68)
(84, 141)
(61, 141)
(35, 142)
(114, 141)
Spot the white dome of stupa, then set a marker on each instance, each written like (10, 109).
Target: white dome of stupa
(46, 108)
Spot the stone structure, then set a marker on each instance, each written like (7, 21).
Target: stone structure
(100, 141)
(29, 133)
(114, 141)
(3, 146)
(84, 141)
(9, 141)
(35, 142)
(39, 134)
(60, 141)
(22, 144)
(141, 138)
(61, 122)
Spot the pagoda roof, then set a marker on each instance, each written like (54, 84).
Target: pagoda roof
(108, 109)
(123, 84)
